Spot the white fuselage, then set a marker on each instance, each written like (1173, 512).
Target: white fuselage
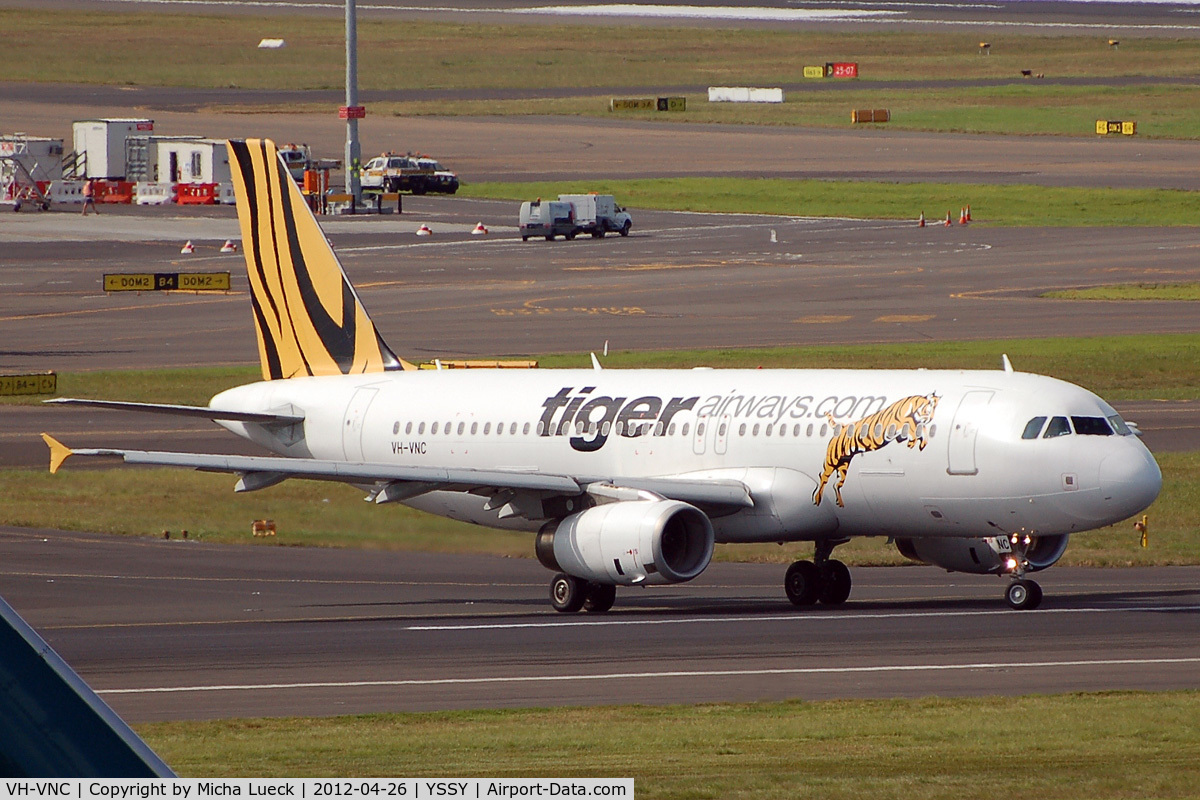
(966, 471)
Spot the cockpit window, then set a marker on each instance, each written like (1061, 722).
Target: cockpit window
(1091, 426)
(1058, 427)
(1033, 428)
(1119, 425)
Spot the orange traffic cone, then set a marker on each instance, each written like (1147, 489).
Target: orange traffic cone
(424, 230)
(187, 249)
(229, 247)
(962, 217)
(948, 223)
(968, 213)
(479, 229)
(921, 221)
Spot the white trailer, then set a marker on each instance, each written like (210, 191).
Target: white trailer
(598, 214)
(103, 141)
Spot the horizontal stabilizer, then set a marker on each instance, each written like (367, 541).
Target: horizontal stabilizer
(202, 412)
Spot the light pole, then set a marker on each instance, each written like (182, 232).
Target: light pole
(352, 112)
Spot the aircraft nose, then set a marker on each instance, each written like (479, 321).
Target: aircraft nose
(1130, 479)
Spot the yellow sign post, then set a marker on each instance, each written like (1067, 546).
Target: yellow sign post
(39, 383)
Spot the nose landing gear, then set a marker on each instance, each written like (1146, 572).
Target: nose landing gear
(823, 579)
(1022, 594)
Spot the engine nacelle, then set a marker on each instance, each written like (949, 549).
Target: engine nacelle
(640, 542)
(982, 556)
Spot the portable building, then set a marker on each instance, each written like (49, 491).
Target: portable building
(193, 161)
(103, 141)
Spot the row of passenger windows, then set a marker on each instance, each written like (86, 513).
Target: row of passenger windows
(1084, 426)
(643, 428)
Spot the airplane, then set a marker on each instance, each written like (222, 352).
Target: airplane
(629, 477)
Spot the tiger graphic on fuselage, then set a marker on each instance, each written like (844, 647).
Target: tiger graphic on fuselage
(904, 420)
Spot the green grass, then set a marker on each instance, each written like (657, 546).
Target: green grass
(117, 47)
(1086, 746)
(1008, 205)
(1138, 291)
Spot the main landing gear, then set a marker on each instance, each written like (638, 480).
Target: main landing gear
(569, 594)
(1022, 594)
(824, 580)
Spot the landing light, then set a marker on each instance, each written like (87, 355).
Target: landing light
(1010, 564)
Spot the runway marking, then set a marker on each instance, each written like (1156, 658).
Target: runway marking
(904, 318)
(823, 319)
(713, 673)
(79, 312)
(797, 617)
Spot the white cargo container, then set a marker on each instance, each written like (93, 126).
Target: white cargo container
(598, 214)
(103, 140)
(193, 161)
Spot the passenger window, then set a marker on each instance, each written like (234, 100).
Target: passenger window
(1057, 427)
(433, 430)
(684, 431)
(1091, 426)
(1033, 428)
(1119, 425)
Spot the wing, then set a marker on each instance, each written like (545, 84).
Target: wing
(513, 492)
(204, 412)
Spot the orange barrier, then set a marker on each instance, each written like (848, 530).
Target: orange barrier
(196, 194)
(113, 191)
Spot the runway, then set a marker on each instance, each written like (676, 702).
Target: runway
(184, 630)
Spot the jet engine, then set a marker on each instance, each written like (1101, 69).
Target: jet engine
(628, 543)
(982, 556)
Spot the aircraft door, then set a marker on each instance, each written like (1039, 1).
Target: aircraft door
(352, 429)
(960, 459)
(724, 427)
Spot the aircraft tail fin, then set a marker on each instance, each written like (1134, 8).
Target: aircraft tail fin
(308, 318)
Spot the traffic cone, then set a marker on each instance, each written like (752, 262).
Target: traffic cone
(187, 249)
(921, 221)
(948, 223)
(229, 247)
(479, 229)
(962, 217)
(424, 230)
(968, 213)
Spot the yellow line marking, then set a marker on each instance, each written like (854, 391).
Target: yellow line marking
(904, 318)
(80, 312)
(823, 319)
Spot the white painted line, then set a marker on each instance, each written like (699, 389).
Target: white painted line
(713, 673)
(799, 616)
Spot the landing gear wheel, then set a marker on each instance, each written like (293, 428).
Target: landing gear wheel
(835, 583)
(802, 583)
(566, 593)
(599, 597)
(1024, 595)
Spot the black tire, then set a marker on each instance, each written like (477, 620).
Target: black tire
(45, 206)
(625, 228)
(567, 594)
(835, 583)
(802, 583)
(419, 187)
(597, 234)
(524, 238)
(570, 237)
(16, 207)
(599, 597)
(1023, 595)
(549, 237)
